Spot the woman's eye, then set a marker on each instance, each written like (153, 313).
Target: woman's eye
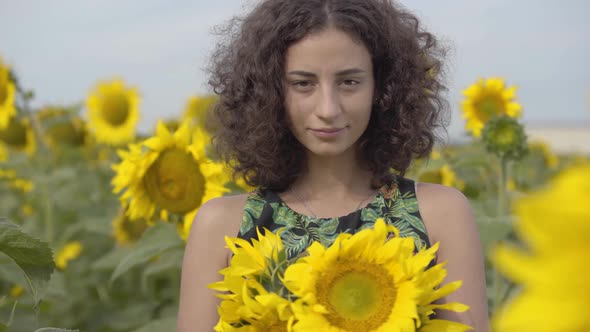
(302, 86)
(350, 82)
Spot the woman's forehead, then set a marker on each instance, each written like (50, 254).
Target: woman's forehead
(330, 51)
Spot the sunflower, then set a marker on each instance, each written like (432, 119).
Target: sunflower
(365, 283)
(19, 135)
(113, 111)
(505, 137)
(486, 99)
(196, 109)
(61, 127)
(7, 96)
(246, 304)
(67, 253)
(443, 175)
(167, 173)
(170, 124)
(554, 224)
(127, 231)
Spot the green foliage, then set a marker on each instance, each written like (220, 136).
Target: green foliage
(32, 255)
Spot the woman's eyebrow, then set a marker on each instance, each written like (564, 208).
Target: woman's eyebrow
(340, 73)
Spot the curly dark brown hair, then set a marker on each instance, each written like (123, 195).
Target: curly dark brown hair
(249, 124)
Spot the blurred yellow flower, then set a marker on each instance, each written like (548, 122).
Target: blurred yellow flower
(3, 152)
(27, 210)
(170, 124)
(486, 99)
(167, 173)
(7, 174)
(16, 291)
(61, 127)
(7, 96)
(551, 160)
(68, 253)
(19, 135)
(23, 185)
(554, 223)
(443, 175)
(197, 108)
(511, 185)
(113, 111)
(127, 231)
(435, 155)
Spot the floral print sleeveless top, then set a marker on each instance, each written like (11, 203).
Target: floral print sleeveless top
(395, 202)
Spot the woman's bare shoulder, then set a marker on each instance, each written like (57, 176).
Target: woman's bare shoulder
(442, 209)
(222, 214)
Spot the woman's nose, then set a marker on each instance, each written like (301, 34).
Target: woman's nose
(328, 105)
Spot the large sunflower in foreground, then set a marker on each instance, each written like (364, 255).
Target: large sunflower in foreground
(246, 305)
(365, 283)
(7, 96)
(19, 135)
(167, 173)
(555, 226)
(486, 99)
(113, 112)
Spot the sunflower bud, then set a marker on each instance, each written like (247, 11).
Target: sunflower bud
(505, 137)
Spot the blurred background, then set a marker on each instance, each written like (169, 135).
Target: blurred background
(61, 47)
(93, 220)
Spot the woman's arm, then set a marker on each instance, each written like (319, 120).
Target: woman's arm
(449, 220)
(204, 256)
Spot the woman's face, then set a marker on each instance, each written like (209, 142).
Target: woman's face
(329, 89)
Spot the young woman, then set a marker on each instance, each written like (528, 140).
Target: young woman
(323, 106)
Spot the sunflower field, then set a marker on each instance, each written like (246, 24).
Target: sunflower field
(94, 215)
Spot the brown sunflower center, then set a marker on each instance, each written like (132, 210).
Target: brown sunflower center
(15, 134)
(488, 107)
(115, 109)
(359, 296)
(174, 181)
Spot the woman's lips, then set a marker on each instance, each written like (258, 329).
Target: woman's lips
(327, 132)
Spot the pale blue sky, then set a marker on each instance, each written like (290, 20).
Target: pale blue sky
(60, 48)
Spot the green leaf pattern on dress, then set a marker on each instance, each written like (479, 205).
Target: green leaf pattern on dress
(252, 211)
(299, 231)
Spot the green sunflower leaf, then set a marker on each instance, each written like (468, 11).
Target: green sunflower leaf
(32, 255)
(155, 241)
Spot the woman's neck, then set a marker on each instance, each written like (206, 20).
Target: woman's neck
(334, 177)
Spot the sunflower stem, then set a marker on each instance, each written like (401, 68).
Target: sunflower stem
(48, 214)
